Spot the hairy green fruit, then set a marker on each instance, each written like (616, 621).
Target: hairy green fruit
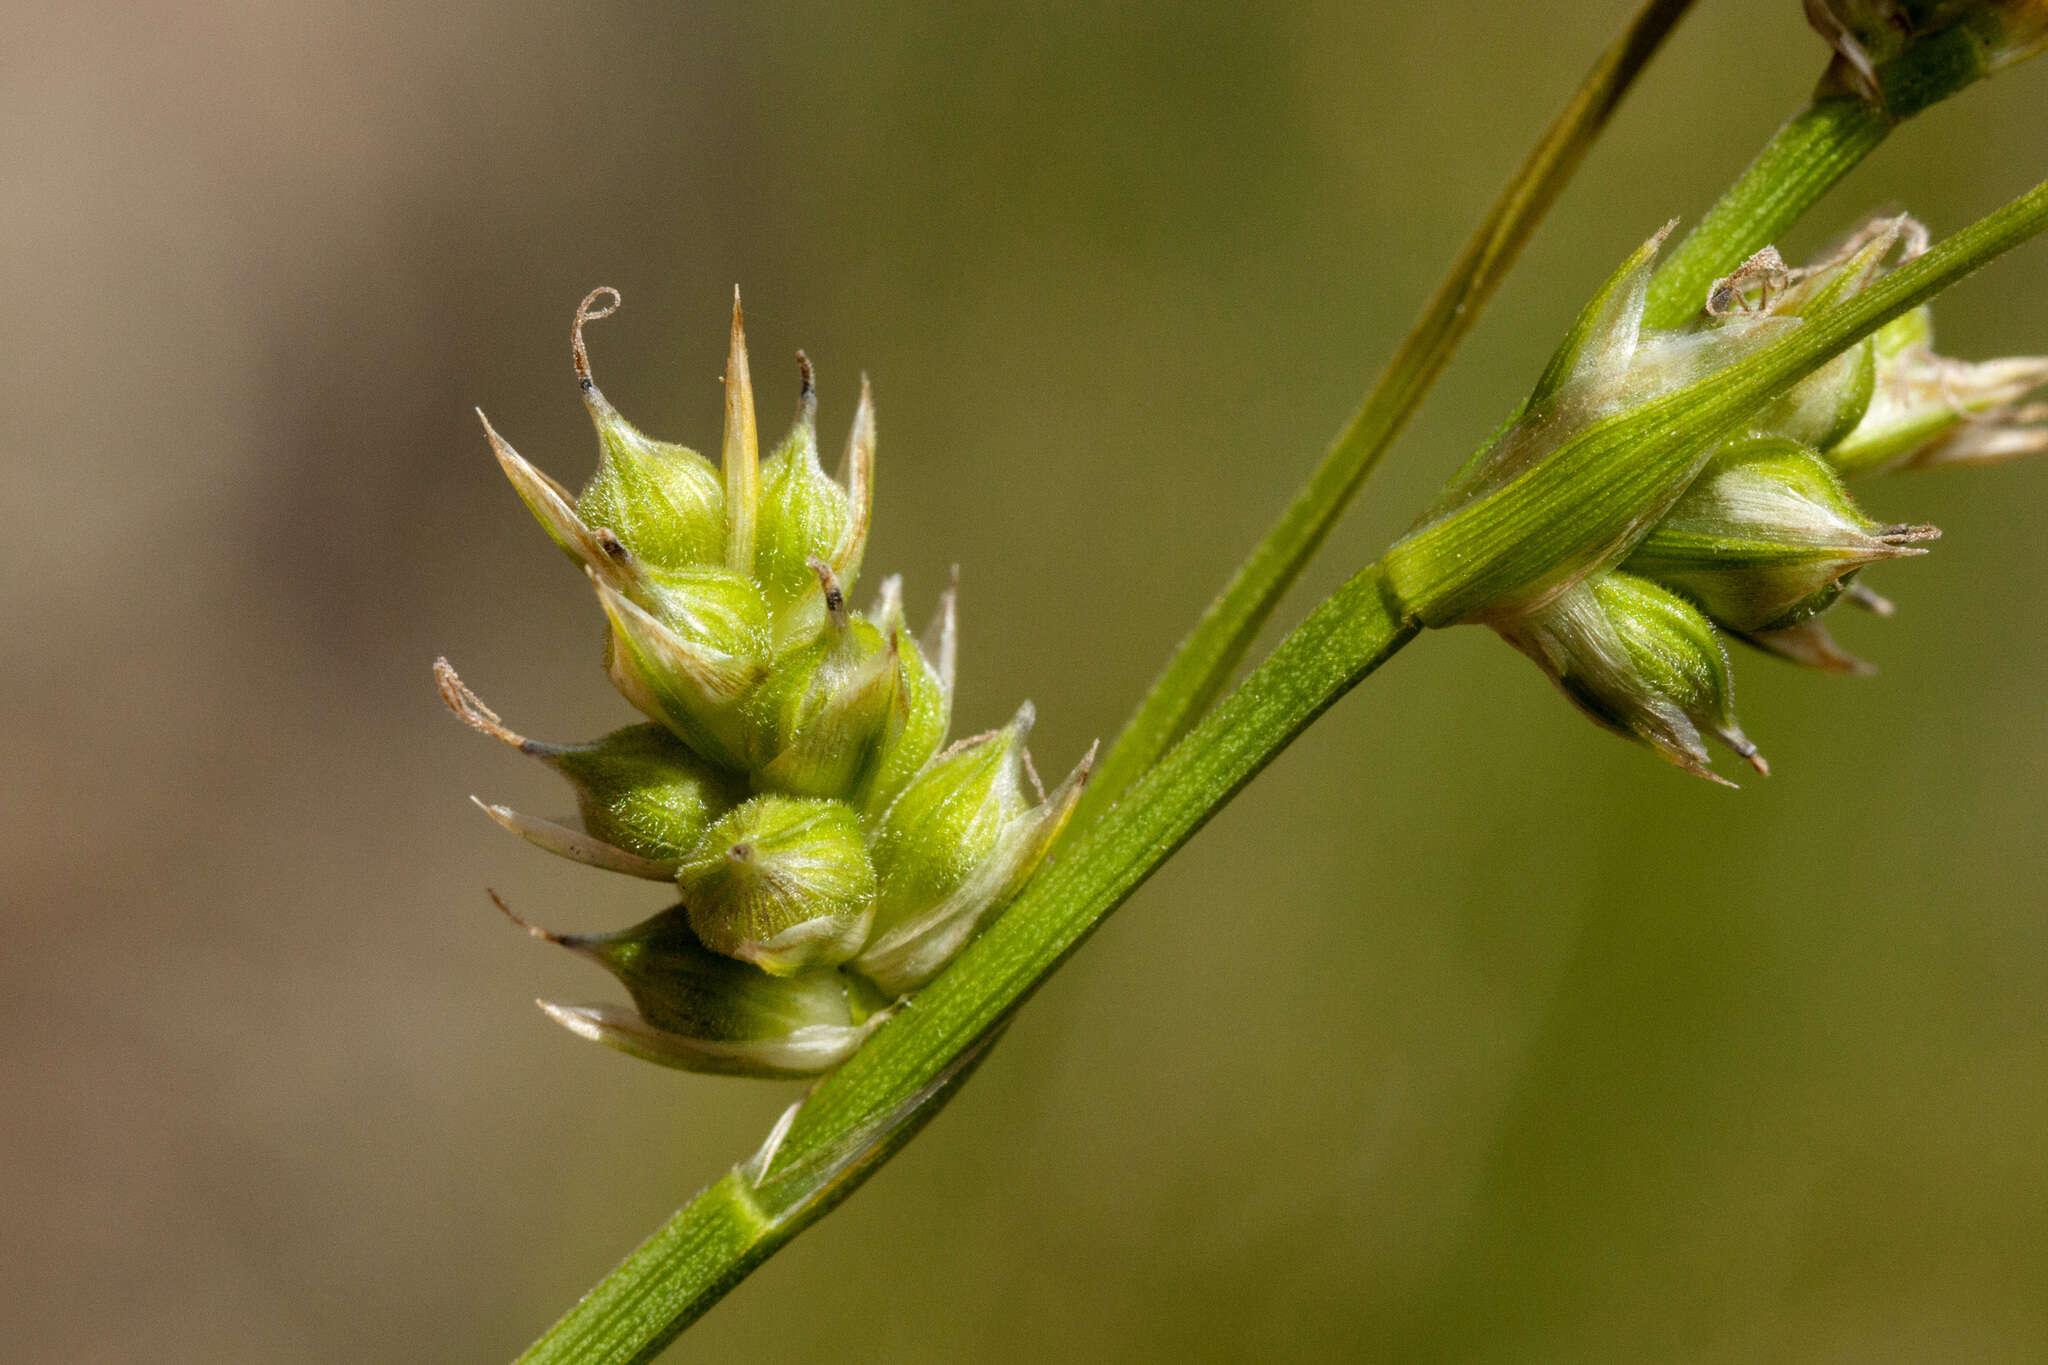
(782, 882)
(1640, 661)
(953, 847)
(696, 1009)
(1766, 536)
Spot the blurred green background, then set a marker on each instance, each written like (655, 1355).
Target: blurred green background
(1467, 1034)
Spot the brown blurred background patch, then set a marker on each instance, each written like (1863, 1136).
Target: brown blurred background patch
(1595, 1063)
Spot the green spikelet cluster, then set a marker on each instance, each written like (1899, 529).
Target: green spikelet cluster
(830, 851)
(1622, 585)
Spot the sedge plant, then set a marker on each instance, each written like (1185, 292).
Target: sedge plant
(857, 897)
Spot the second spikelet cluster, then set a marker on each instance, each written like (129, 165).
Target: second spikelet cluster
(1763, 538)
(831, 852)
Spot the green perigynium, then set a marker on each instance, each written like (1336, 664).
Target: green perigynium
(830, 853)
(1632, 512)
(1639, 660)
(783, 882)
(700, 1010)
(1764, 538)
(958, 842)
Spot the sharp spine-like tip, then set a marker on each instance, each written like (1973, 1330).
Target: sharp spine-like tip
(1085, 769)
(741, 451)
(1060, 804)
(941, 639)
(857, 473)
(581, 1020)
(1698, 765)
(497, 441)
(576, 845)
(551, 504)
(887, 612)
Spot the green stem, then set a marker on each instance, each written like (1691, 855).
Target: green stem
(668, 1281)
(1203, 663)
(1802, 162)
